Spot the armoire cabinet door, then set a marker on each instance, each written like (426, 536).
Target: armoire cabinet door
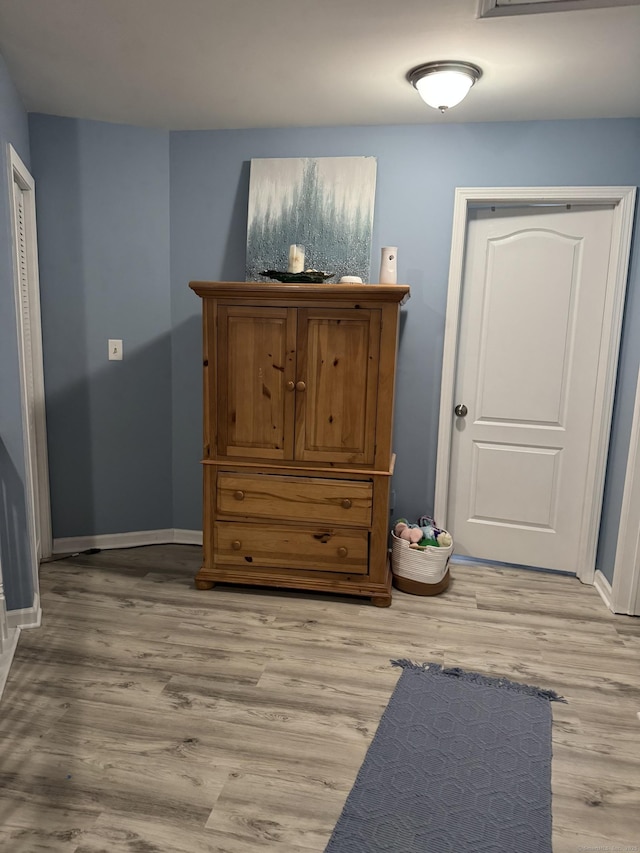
(255, 381)
(336, 385)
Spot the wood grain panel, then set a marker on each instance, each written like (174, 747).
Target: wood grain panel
(277, 546)
(257, 291)
(338, 367)
(208, 370)
(256, 352)
(345, 502)
(389, 336)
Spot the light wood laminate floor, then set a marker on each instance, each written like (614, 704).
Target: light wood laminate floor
(147, 717)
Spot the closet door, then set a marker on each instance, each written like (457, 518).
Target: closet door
(336, 385)
(255, 382)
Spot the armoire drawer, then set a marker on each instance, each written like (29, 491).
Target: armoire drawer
(312, 499)
(279, 546)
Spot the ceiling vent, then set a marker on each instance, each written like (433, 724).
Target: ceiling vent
(500, 8)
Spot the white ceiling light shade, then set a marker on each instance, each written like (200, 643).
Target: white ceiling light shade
(444, 84)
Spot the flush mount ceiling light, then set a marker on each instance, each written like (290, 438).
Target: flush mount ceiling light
(496, 8)
(444, 84)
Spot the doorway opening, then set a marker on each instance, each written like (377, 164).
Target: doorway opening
(29, 330)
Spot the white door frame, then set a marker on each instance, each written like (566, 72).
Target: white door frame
(626, 573)
(4, 625)
(37, 481)
(623, 199)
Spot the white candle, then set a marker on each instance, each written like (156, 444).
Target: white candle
(296, 258)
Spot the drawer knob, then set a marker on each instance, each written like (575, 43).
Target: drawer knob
(346, 503)
(236, 545)
(342, 552)
(290, 385)
(301, 386)
(239, 495)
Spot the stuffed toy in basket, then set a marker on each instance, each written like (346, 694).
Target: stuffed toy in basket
(420, 557)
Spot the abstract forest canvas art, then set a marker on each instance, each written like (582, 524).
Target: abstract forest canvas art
(325, 204)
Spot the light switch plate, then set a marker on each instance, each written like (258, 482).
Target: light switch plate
(115, 349)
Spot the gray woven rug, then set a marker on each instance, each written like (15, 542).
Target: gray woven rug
(461, 763)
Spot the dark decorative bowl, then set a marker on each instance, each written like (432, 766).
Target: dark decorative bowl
(309, 277)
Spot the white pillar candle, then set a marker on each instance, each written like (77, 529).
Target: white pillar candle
(296, 258)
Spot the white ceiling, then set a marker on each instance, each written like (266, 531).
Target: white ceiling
(198, 64)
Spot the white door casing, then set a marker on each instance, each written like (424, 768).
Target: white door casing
(4, 627)
(27, 300)
(625, 589)
(534, 344)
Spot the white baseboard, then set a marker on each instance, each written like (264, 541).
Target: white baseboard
(187, 537)
(17, 620)
(26, 617)
(7, 656)
(108, 541)
(74, 544)
(604, 588)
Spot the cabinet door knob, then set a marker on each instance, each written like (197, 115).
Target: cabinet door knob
(346, 503)
(290, 385)
(301, 386)
(342, 552)
(239, 495)
(236, 545)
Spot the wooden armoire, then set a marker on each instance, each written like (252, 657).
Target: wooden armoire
(298, 414)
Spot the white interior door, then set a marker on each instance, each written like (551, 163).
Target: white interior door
(534, 296)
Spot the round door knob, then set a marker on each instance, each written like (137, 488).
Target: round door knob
(239, 495)
(236, 545)
(346, 503)
(461, 410)
(290, 385)
(301, 386)
(342, 552)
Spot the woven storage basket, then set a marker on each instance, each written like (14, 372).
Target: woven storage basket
(421, 571)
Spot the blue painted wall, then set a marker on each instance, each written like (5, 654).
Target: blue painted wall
(14, 544)
(125, 439)
(103, 218)
(418, 169)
